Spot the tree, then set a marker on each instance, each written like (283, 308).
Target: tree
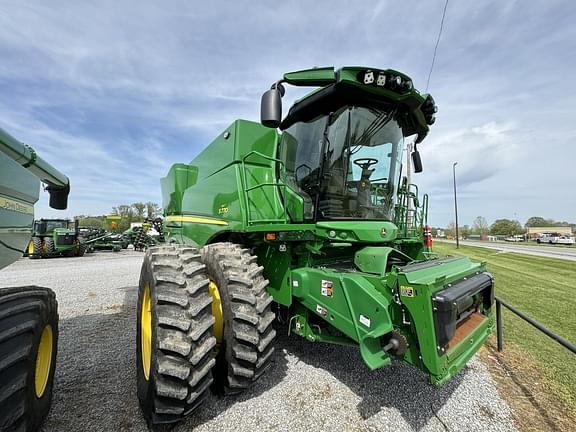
(537, 221)
(450, 230)
(506, 227)
(126, 212)
(480, 226)
(464, 231)
(152, 210)
(139, 208)
(91, 221)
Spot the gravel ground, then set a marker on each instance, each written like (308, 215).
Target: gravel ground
(308, 388)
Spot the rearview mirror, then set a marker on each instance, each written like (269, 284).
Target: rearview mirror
(271, 107)
(416, 161)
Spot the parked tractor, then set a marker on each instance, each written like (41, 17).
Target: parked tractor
(55, 237)
(309, 218)
(29, 314)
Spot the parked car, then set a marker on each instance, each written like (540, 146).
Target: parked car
(553, 238)
(515, 238)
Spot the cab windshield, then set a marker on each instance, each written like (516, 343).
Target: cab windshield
(345, 165)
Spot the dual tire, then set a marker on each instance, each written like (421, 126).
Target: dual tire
(204, 322)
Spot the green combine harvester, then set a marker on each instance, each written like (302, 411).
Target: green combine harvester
(317, 224)
(29, 314)
(55, 237)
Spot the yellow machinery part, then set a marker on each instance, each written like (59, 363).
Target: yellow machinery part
(43, 361)
(146, 332)
(216, 311)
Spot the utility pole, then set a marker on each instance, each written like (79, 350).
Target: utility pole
(455, 204)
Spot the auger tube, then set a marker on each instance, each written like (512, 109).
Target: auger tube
(58, 185)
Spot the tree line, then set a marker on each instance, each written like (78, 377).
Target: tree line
(504, 227)
(135, 212)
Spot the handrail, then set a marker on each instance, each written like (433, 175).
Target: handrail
(410, 219)
(499, 331)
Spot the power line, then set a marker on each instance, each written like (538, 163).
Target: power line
(437, 42)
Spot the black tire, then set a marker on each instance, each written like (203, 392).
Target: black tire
(182, 340)
(49, 244)
(247, 343)
(538, 241)
(37, 248)
(24, 314)
(81, 249)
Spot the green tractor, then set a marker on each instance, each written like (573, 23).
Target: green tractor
(316, 224)
(55, 237)
(28, 314)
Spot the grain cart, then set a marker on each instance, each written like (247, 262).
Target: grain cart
(28, 315)
(314, 224)
(55, 237)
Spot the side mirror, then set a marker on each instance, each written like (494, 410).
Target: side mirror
(271, 107)
(416, 161)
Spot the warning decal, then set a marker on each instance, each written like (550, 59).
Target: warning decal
(406, 291)
(327, 290)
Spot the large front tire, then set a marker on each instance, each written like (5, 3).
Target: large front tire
(49, 246)
(175, 341)
(35, 251)
(28, 346)
(246, 336)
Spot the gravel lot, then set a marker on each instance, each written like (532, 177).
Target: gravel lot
(308, 388)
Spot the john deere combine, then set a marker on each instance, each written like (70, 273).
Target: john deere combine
(315, 222)
(28, 315)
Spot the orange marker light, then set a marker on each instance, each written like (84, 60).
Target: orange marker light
(270, 236)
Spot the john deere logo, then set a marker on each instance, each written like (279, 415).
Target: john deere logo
(383, 232)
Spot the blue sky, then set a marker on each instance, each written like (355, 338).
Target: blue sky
(114, 92)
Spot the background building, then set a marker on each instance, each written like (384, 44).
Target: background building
(535, 232)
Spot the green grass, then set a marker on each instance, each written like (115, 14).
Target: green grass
(544, 289)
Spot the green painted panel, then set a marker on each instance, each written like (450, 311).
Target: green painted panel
(19, 191)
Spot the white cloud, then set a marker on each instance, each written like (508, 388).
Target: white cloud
(113, 92)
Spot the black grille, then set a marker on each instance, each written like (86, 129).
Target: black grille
(66, 239)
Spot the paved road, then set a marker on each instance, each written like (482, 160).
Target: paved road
(559, 252)
(308, 388)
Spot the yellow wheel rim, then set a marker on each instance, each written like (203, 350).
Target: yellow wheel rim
(146, 332)
(43, 361)
(216, 311)
(31, 248)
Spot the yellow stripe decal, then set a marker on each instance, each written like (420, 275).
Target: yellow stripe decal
(195, 219)
(17, 206)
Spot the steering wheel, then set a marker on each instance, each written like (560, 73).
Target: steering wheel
(365, 163)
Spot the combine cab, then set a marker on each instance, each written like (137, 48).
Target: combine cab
(317, 223)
